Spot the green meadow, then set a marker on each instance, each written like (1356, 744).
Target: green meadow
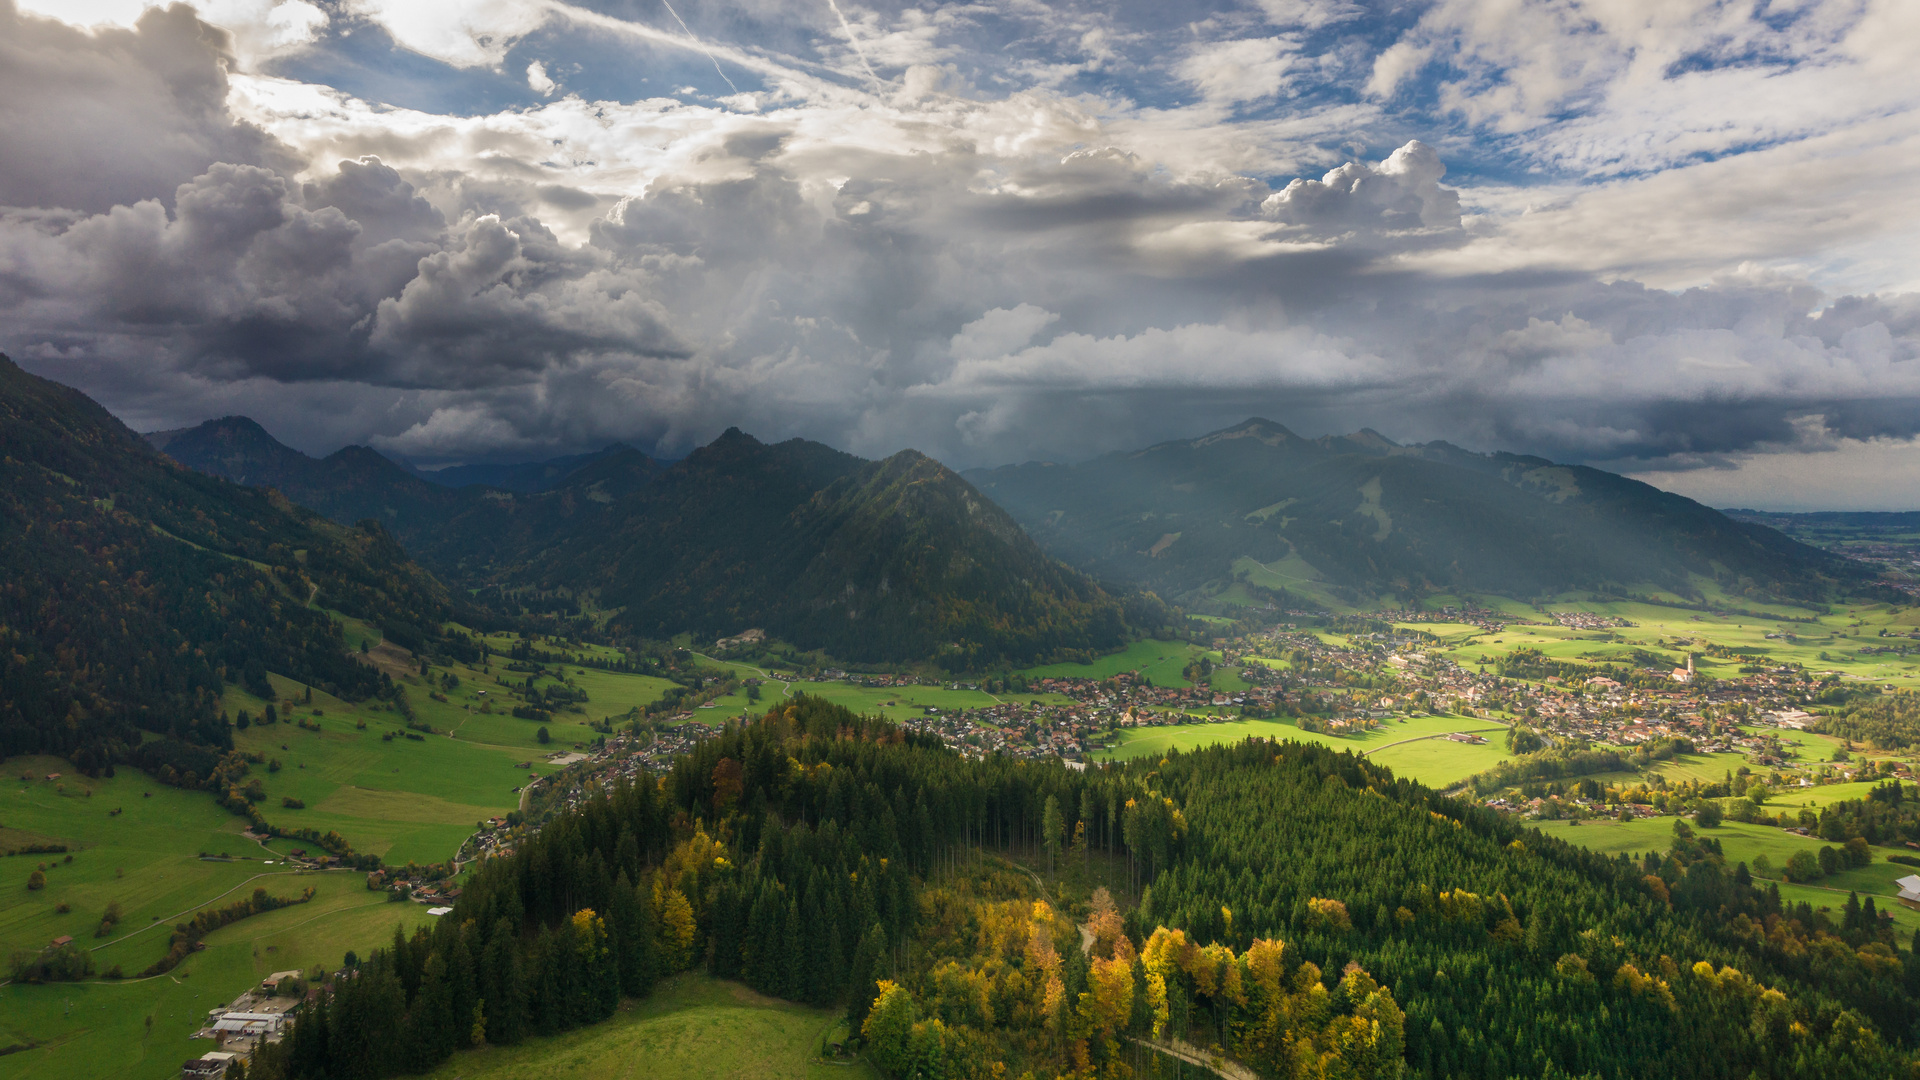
(72, 1029)
(1413, 747)
(1742, 843)
(693, 1028)
(1841, 634)
(1160, 661)
(893, 702)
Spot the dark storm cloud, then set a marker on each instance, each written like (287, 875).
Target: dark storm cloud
(93, 120)
(908, 259)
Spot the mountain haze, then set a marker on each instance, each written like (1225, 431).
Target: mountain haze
(1361, 515)
(890, 559)
(894, 560)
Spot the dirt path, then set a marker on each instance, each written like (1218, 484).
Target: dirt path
(1198, 1058)
(1424, 738)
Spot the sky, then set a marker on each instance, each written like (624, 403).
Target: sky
(1678, 239)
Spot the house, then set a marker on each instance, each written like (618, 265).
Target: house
(1910, 890)
(1466, 737)
(211, 1065)
(270, 982)
(63, 939)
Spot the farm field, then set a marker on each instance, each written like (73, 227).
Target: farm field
(72, 1028)
(402, 799)
(1839, 635)
(693, 1027)
(408, 799)
(1741, 843)
(893, 702)
(146, 858)
(1160, 661)
(1429, 760)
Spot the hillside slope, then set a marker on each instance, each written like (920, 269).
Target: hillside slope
(132, 588)
(889, 560)
(1360, 515)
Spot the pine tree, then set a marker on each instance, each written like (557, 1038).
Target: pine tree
(503, 986)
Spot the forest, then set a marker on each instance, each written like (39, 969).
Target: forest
(1301, 910)
(132, 589)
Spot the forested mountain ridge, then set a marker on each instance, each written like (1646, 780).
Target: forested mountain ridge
(893, 560)
(896, 559)
(132, 588)
(461, 533)
(1308, 913)
(1368, 517)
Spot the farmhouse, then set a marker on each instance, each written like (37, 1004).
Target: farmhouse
(1910, 890)
(211, 1065)
(270, 982)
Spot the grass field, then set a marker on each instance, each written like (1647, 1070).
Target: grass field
(1742, 843)
(893, 702)
(89, 1030)
(1430, 760)
(146, 858)
(1840, 635)
(694, 1027)
(1160, 661)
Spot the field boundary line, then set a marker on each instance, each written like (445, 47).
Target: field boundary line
(1424, 738)
(168, 921)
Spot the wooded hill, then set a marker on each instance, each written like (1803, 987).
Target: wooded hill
(132, 588)
(1368, 517)
(1308, 913)
(891, 560)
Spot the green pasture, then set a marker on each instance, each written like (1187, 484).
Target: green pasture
(1160, 661)
(1407, 745)
(145, 858)
(1806, 746)
(1293, 574)
(893, 702)
(1741, 843)
(1441, 763)
(98, 1028)
(693, 1027)
(416, 800)
(1669, 631)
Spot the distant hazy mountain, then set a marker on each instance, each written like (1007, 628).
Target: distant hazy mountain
(131, 588)
(891, 560)
(1360, 515)
(525, 477)
(466, 534)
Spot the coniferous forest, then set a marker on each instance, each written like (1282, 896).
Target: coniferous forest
(1302, 911)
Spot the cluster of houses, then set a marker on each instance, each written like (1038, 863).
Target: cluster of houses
(238, 1029)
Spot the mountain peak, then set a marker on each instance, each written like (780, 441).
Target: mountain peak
(1253, 427)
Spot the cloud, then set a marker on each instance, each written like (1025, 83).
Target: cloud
(1244, 69)
(1667, 239)
(257, 30)
(113, 116)
(1403, 192)
(538, 79)
(462, 33)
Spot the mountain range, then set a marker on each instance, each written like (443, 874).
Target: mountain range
(1360, 517)
(892, 560)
